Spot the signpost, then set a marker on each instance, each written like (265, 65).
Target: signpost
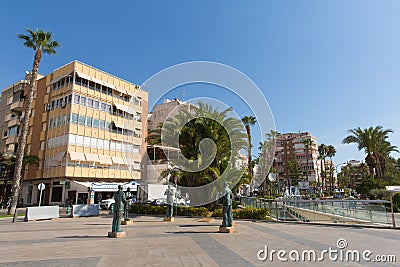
(41, 187)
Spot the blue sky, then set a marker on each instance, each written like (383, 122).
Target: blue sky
(324, 66)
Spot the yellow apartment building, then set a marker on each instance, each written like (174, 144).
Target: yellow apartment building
(86, 126)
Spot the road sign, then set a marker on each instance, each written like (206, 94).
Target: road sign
(41, 186)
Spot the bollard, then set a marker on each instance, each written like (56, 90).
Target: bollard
(68, 209)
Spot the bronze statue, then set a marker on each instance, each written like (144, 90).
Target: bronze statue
(127, 207)
(227, 215)
(170, 193)
(120, 201)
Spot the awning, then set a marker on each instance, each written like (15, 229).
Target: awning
(122, 91)
(110, 85)
(98, 81)
(118, 124)
(59, 156)
(92, 157)
(104, 159)
(121, 107)
(118, 160)
(113, 187)
(84, 76)
(59, 78)
(77, 156)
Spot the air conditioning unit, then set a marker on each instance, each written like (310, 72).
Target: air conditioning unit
(47, 107)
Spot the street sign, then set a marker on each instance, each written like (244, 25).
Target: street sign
(41, 186)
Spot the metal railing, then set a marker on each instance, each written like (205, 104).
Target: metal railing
(330, 210)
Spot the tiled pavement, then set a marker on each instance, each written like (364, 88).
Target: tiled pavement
(185, 242)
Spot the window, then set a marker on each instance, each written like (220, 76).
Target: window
(102, 124)
(90, 103)
(103, 107)
(42, 145)
(13, 131)
(95, 123)
(74, 118)
(83, 101)
(56, 194)
(44, 125)
(81, 120)
(96, 104)
(76, 99)
(89, 121)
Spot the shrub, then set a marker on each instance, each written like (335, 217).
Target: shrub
(396, 202)
(161, 210)
(247, 213)
(193, 211)
(251, 213)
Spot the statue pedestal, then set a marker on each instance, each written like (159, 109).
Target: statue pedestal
(228, 230)
(116, 234)
(127, 222)
(207, 220)
(169, 219)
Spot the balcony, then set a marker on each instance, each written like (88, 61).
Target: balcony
(13, 122)
(17, 105)
(12, 140)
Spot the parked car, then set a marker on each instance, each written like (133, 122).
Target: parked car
(163, 201)
(107, 204)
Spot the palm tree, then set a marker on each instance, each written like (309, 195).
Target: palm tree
(249, 121)
(308, 144)
(322, 155)
(373, 141)
(40, 42)
(331, 152)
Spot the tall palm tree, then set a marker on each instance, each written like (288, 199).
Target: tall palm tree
(40, 41)
(331, 152)
(373, 141)
(308, 144)
(322, 154)
(249, 121)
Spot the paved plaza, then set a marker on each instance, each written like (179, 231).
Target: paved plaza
(185, 242)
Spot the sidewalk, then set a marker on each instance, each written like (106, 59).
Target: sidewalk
(186, 242)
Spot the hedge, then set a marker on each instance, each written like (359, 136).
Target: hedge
(246, 213)
(396, 202)
(161, 210)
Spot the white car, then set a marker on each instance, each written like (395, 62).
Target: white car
(107, 204)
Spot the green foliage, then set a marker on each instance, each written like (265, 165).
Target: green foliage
(379, 194)
(193, 211)
(251, 213)
(396, 202)
(148, 209)
(161, 210)
(247, 213)
(368, 184)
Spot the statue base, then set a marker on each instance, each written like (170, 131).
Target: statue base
(116, 234)
(207, 220)
(169, 219)
(228, 230)
(127, 222)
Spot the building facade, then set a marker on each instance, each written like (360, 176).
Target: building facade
(291, 150)
(85, 126)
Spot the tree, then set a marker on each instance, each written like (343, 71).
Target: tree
(40, 42)
(373, 141)
(294, 170)
(322, 155)
(331, 152)
(198, 126)
(249, 121)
